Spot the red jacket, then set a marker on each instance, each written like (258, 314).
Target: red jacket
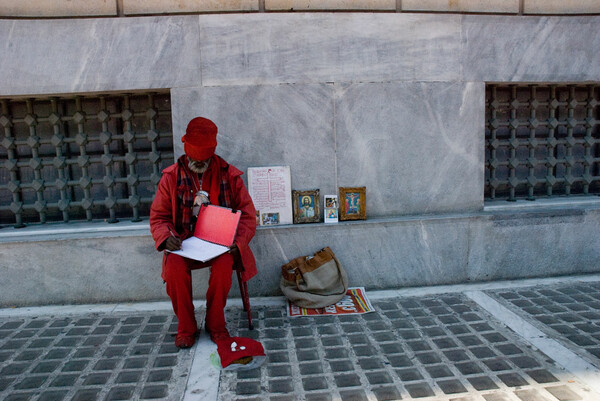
(165, 215)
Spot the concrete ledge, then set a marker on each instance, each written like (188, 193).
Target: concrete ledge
(330, 5)
(134, 7)
(379, 254)
(462, 6)
(53, 8)
(561, 7)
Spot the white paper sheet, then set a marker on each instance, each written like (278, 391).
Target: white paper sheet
(197, 249)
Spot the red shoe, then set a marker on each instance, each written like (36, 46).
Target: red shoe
(183, 341)
(218, 335)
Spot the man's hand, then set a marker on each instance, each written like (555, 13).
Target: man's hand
(173, 244)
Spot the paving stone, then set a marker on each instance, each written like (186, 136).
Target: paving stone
(381, 377)
(341, 366)
(542, 376)
(32, 382)
(497, 364)
(19, 397)
(46, 367)
(393, 348)
(399, 361)
(434, 332)
(114, 352)
(153, 392)
(353, 395)
(336, 353)
(301, 332)
(428, 358)
(275, 333)
(307, 355)
(165, 361)
(364, 350)
(84, 353)
(512, 379)
(482, 352)
(456, 355)
(563, 393)
(14, 369)
(51, 333)
(12, 325)
(494, 337)
(305, 343)
(402, 324)
(482, 383)
(509, 349)
(75, 366)
(386, 393)
(70, 342)
(94, 340)
(64, 380)
(249, 374)
(327, 330)
(419, 390)
(106, 364)
(314, 383)
(370, 363)
(409, 374)
(468, 368)
(13, 344)
(451, 386)
(409, 334)
(318, 397)
(347, 380)
(525, 362)
(28, 355)
(417, 346)
(469, 340)
(40, 343)
(135, 363)
(439, 371)
(129, 376)
(280, 370)
(278, 357)
(25, 334)
(281, 386)
(331, 341)
(313, 368)
(54, 395)
(444, 343)
(95, 379)
(530, 395)
(458, 329)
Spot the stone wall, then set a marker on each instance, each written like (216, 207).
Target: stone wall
(392, 101)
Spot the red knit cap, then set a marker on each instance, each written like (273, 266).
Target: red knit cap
(200, 139)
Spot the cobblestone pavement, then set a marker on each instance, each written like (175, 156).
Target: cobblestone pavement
(96, 357)
(442, 347)
(447, 344)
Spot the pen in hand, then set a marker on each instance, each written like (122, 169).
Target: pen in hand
(173, 242)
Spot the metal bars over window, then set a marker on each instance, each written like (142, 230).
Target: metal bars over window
(542, 141)
(82, 157)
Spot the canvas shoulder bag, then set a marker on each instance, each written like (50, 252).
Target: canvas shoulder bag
(314, 281)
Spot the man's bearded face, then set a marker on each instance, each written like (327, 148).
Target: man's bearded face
(198, 166)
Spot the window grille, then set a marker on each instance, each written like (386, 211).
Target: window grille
(542, 141)
(82, 157)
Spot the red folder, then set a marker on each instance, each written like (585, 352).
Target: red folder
(217, 224)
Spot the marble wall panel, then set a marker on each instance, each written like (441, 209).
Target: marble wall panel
(267, 125)
(79, 55)
(381, 255)
(417, 147)
(328, 47)
(320, 5)
(531, 49)
(534, 244)
(134, 7)
(461, 6)
(53, 8)
(561, 6)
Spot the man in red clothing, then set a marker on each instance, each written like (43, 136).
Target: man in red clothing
(172, 220)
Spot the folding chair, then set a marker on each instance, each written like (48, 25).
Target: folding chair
(239, 268)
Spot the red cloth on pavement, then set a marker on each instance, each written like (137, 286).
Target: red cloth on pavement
(230, 349)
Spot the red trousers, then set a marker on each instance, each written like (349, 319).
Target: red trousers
(178, 277)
